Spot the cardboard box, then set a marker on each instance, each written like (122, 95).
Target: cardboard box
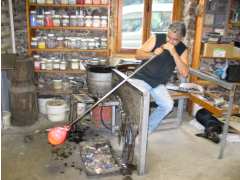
(218, 50)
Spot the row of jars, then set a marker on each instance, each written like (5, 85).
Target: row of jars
(70, 1)
(50, 41)
(50, 20)
(54, 63)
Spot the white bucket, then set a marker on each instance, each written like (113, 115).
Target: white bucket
(81, 107)
(56, 110)
(6, 119)
(42, 104)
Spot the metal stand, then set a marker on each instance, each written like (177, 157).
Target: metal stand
(229, 86)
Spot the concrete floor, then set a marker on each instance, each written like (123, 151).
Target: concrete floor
(175, 154)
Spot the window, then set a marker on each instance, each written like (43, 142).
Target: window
(136, 21)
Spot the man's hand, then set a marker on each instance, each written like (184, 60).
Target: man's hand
(169, 47)
(158, 51)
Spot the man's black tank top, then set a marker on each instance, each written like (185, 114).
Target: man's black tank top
(160, 69)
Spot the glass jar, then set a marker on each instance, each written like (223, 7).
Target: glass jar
(65, 20)
(40, 20)
(73, 20)
(48, 19)
(66, 42)
(104, 21)
(64, 1)
(88, 1)
(104, 43)
(96, 1)
(84, 43)
(51, 41)
(63, 65)
(49, 64)
(91, 43)
(80, 20)
(60, 42)
(74, 64)
(97, 42)
(56, 20)
(80, 1)
(96, 21)
(34, 42)
(43, 63)
(104, 1)
(58, 1)
(78, 42)
(56, 64)
(33, 1)
(41, 43)
(40, 1)
(49, 1)
(33, 18)
(71, 1)
(88, 21)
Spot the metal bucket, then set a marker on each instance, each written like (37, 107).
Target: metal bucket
(99, 80)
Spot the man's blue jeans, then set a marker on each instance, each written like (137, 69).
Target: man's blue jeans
(162, 98)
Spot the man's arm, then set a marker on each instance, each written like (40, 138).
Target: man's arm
(181, 61)
(144, 52)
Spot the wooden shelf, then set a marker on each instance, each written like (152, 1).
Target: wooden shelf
(70, 5)
(68, 28)
(69, 71)
(69, 50)
(224, 58)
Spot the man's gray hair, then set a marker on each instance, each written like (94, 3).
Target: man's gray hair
(178, 27)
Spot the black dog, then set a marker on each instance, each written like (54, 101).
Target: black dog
(213, 127)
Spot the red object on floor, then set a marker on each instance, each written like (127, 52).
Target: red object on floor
(104, 112)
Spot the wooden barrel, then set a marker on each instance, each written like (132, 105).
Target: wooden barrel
(23, 104)
(24, 70)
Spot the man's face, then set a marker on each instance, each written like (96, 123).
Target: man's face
(173, 38)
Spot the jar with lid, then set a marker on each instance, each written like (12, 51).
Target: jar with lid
(41, 43)
(78, 42)
(58, 1)
(40, 20)
(96, 1)
(84, 43)
(64, 1)
(33, 1)
(74, 64)
(104, 1)
(43, 63)
(34, 42)
(65, 20)
(49, 1)
(63, 65)
(91, 43)
(48, 19)
(80, 20)
(73, 20)
(104, 21)
(60, 42)
(103, 43)
(51, 41)
(96, 21)
(49, 64)
(80, 1)
(56, 20)
(56, 64)
(66, 42)
(88, 1)
(88, 21)
(33, 18)
(40, 1)
(97, 42)
(71, 1)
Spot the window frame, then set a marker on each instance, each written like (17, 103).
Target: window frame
(176, 15)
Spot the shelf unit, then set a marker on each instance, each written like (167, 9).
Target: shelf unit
(99, 31)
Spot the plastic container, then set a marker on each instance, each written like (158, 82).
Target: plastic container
(40, 20)
(96, 21)
(88, 1)
(48, 19)
(73, 20)
(42, 104)
(63, 65)
(56, 110)
(57, 84)
(74, 64)
(33, 18)
(88, 21)
(104, 22)
(34, 42)
(56, 20)
(6, 119)
(51, 41)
